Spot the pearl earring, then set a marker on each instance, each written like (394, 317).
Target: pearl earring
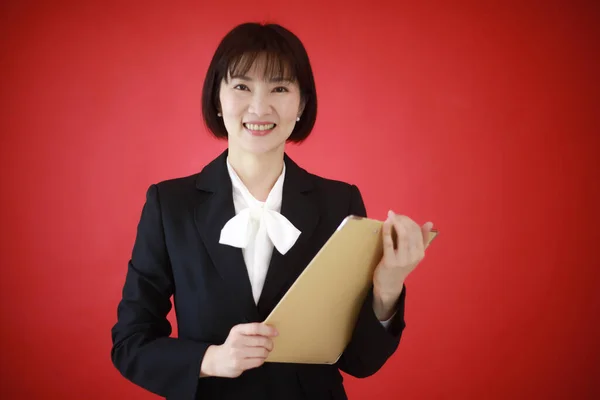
(219, 115)
(298, 119)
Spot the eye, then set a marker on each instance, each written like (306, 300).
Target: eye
(280, 89)
(241, 86)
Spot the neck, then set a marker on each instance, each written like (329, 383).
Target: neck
(258, 172)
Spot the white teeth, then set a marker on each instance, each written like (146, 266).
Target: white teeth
(259, 127)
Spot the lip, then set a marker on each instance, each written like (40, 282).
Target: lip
(259, 133)
(259, 122)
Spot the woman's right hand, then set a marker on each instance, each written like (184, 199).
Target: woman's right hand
(246, 347)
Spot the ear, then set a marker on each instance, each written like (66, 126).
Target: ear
(301, 107)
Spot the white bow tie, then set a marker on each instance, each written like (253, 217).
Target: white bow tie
(258, 218)
(239, 230)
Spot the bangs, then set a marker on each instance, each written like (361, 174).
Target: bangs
(275, 66)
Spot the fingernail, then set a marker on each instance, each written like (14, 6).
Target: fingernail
(390, 213)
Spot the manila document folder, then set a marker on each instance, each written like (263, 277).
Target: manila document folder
(317, 315)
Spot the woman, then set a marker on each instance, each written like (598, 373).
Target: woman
(229, 241)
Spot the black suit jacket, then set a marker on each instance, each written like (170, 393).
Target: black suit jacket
(176, 253)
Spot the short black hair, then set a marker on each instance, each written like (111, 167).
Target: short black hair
(286, 58)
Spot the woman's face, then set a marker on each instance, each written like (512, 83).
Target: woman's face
(259, 113)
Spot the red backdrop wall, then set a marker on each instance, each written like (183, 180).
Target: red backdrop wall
(481, 118)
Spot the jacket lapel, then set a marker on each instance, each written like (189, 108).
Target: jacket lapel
(210, 216)
(298, 205)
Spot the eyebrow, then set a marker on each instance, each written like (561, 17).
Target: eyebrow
(272, 80)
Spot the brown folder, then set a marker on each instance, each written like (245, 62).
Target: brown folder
(317, 315)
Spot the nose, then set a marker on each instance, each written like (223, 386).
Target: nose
(259, 105)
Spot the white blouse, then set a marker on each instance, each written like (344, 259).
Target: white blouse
(258, 227)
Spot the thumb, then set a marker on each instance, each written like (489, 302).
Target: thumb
(426, 231)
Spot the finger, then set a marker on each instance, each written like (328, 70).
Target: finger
(419, 243)
(426, 232)
(255, 352)
(413, 236)
(416, 237)
(256, 329)
(249, 363)
(403, 238)
(388, 241)
(258, 341)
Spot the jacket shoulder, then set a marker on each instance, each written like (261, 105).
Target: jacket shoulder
(174, 193)
(330, 185)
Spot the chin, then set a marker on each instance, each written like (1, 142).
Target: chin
(263, 148)
(262, 145)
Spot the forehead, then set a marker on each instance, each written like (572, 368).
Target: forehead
(262, 66)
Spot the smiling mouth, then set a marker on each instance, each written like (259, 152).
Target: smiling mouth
(259, 127)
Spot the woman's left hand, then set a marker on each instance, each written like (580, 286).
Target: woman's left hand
(397, 261)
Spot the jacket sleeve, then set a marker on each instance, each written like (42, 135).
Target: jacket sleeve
(142, 350)
(371, 344)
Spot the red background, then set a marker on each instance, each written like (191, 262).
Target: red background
(481, 118)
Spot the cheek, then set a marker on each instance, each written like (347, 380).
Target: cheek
(232, 102)
(289, 109)
(231, 105)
